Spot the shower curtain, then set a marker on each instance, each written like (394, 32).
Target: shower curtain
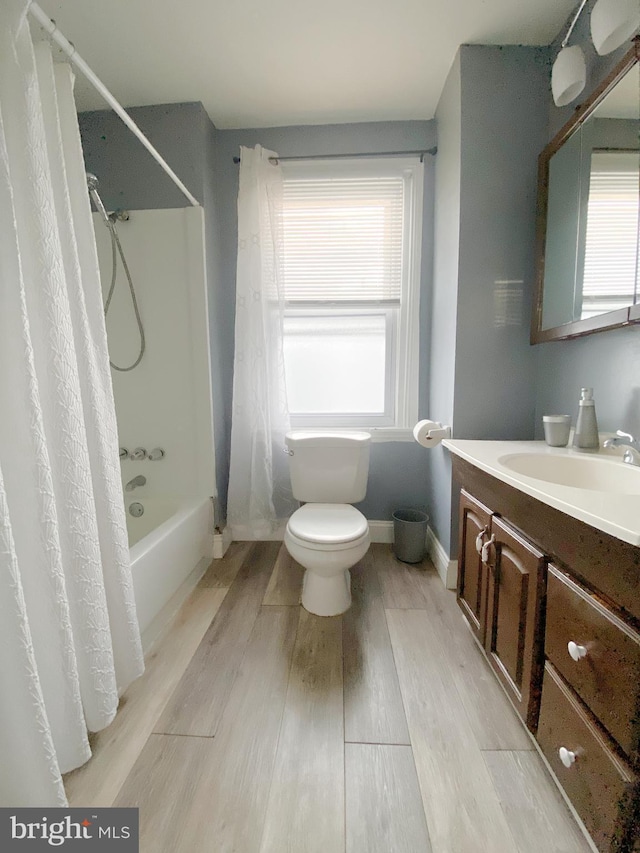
(69, 637)
(259, 486)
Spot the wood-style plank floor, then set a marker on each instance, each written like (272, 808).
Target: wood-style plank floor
(259, 728)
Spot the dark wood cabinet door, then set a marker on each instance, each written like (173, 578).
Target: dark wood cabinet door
(475, 521)
(516, 581)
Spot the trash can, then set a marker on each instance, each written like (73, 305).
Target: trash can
(409, 534)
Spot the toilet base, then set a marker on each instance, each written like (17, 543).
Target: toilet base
(326, 596)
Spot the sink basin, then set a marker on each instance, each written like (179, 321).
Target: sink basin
(580, 472)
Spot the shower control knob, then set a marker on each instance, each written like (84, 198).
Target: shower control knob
(156, 453)
(124, 453)
(138, 453)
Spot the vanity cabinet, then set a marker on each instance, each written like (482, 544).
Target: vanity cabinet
(597, 780)
(473, 572)
(555, 604)
(513, 639)
(500, 591)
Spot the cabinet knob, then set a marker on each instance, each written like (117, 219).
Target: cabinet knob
(577, 652)
(479, 539)
(566, 756)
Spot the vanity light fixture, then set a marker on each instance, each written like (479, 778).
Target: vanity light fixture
(613, 22)
(569, 72)
(568, 75)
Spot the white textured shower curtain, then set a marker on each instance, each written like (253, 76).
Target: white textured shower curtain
(69, 637)
(259, 486)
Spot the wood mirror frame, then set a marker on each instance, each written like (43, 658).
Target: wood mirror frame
(611, 319)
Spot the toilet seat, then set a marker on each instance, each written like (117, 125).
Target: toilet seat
(328, 527)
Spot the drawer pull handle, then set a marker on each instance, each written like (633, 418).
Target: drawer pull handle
(577, 652)
(566, 756)
(479, 539)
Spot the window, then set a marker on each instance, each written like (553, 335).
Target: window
(351, 266)
(612, 260)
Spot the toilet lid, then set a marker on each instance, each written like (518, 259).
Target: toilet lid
(330, 524)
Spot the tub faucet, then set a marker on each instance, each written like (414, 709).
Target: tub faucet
(137, 481)
(632, 453)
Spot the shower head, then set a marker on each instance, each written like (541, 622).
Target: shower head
(92, 186)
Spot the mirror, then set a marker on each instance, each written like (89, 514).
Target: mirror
(588, 247)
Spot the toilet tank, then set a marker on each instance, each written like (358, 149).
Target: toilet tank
(328, 467)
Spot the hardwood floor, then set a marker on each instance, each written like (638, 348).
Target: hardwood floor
(259, 728)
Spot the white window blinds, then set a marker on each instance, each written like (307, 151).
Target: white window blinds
(343, 238)
(611, 255)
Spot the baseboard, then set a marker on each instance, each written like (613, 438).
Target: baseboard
(244, 533)
(446, 568)
(381, 531)
(221, 542)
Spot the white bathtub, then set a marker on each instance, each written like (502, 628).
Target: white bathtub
(167, 543)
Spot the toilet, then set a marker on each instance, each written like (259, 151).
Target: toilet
(327, 535)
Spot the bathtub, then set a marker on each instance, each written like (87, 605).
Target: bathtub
(166, 543)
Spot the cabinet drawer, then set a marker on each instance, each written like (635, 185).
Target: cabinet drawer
(607, 677)
(598, 783)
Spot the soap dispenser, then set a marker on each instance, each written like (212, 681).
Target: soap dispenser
(586, 433)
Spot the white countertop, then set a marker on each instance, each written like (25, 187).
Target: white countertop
(616, 514)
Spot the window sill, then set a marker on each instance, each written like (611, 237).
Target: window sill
(382, 434)
(378, 434)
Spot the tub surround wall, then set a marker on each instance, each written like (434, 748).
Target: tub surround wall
(165, 401)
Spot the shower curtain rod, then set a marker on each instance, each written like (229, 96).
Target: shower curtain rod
(421, 153)
(74, 57)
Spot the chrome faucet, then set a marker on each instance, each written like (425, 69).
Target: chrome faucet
(632, 453)
(137, 481)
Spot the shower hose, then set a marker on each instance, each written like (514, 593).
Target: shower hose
(116, 247)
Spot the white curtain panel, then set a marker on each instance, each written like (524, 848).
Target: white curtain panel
(259, 486)
(69, 636)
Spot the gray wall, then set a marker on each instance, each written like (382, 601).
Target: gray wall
(609, 361)
(492, 115)
(398, 473)
(130, 178)
(203, 158)
(477, 370)
(445, 296)
(503, 105)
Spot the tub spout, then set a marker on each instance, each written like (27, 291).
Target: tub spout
(137, 481)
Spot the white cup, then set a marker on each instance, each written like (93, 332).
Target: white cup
(556, 429)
